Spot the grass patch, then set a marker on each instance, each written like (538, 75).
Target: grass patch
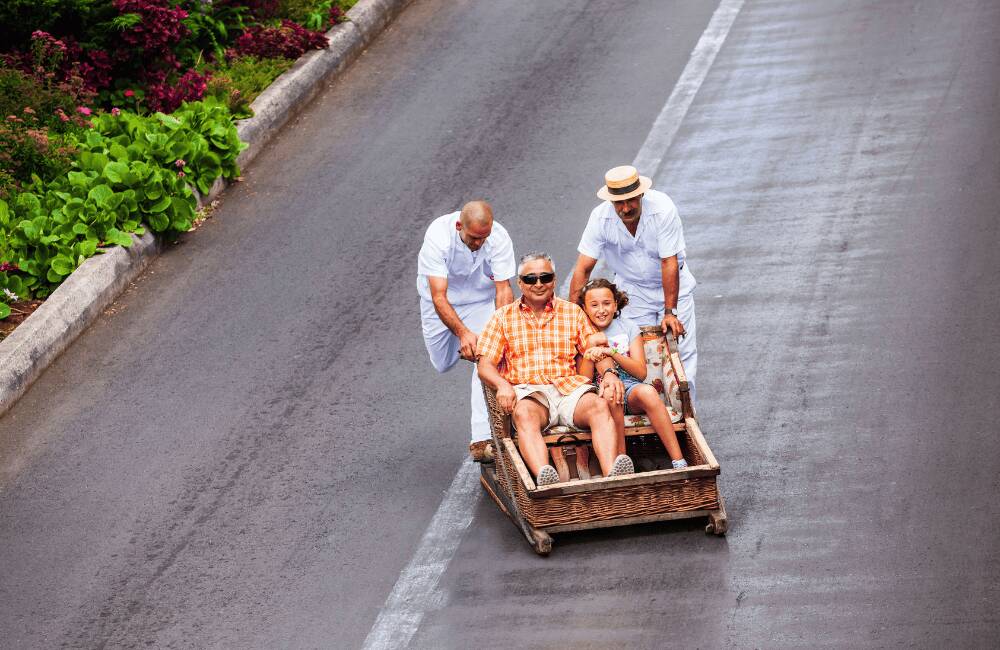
(238, 82)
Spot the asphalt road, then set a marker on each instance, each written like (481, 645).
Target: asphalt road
(246, 450)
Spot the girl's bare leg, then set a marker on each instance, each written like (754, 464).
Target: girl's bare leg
(618, 415)
(644, 398)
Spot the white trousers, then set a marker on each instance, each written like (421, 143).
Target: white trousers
(442, 347)
(687, 346)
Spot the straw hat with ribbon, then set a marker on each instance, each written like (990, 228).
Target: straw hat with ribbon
(622, 183)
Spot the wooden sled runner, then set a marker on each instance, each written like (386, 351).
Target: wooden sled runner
(582, 499)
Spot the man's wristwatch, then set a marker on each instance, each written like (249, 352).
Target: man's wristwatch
(671, 311)
(607, 370)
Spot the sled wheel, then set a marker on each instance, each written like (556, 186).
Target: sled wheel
(542, 543)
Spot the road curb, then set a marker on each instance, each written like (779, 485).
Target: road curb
(78, 301)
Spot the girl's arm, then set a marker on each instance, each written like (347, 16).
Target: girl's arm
(597, 339)
(635, 363)
(596, 354)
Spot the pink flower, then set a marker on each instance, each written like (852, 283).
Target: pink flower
(83, 110)
(181, 174)
(180, 163)
(129, 93)
(116, 111)
(29, 110)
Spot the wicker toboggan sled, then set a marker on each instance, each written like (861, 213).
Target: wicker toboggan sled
(583, 499)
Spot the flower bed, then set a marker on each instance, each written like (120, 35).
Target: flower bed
(129, 170)
(111, 111)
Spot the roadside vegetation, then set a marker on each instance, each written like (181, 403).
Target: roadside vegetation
(112, 112)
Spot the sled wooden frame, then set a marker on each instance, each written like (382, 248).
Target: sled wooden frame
(584, 503)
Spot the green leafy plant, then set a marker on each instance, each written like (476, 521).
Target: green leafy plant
(211, 26)
(319, 17)
(315, 14)
(129, 170)
(12, 286)
(122, 22)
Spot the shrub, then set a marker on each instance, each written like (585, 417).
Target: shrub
(51, 60)
(35, 118)
(50, 102)
(87, 20)
(166, 96)
(159, 50)
(28, 152)
(154, 26)
(260, 9)
(211, 27)
(290, 41)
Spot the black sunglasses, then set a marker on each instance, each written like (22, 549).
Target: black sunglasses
(544, 278)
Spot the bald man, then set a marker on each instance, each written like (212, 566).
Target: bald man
(463, 276)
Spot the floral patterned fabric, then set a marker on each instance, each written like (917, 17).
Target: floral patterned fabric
(662, 380)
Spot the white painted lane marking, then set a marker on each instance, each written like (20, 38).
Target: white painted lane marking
(651, 154)
(660, 137)
(416, 589)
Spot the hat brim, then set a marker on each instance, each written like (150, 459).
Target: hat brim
(645, 182)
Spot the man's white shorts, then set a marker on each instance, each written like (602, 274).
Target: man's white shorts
(561, 407)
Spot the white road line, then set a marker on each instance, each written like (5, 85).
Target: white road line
(416, 589)
(660, 137)
(651, 154)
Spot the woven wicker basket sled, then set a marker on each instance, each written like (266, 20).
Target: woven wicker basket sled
(583, 499)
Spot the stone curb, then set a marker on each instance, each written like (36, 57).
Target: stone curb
(78, 301)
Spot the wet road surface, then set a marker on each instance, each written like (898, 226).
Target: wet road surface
(247, 451)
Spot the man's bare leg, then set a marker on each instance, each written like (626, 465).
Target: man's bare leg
(593, 413)
(529, 418)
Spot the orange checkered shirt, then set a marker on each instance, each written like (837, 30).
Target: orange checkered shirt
(538, 350)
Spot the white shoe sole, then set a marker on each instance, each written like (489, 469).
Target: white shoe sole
(622, 466)
(547, 476)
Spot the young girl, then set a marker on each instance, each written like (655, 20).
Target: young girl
(620, 340)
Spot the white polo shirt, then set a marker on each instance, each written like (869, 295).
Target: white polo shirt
(636, 260)
(470, 274)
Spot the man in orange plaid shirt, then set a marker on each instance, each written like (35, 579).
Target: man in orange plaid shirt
(537, 338)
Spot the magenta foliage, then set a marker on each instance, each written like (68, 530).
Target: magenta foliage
(96, 69)
(160, 27)
(63, 61)
(336, 15)
(167, 97)
(290, 41)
